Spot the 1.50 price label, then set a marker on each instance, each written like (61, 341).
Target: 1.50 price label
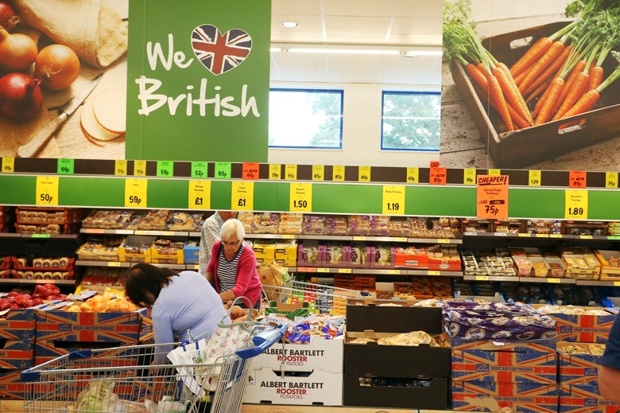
(135, 193)
(575, 204)
(300, 197)
(199, 194)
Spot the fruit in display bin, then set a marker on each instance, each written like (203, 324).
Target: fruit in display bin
(16, 300)
(107, 302)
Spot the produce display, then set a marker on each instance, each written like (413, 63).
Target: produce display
(15, 300)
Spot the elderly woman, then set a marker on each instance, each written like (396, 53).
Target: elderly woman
(181, 302)
(232, 267)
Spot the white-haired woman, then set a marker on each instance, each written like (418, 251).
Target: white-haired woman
(232, 267)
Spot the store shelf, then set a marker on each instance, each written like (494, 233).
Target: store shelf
(490, 278)
(39, 236)
(24, 281)
(106, 231)
(135, 232)
(547, 280)
(85, 263)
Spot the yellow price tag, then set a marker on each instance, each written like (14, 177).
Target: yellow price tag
(576, 204)
(8, 165)
(318, 172)
(300, 197)
(338, 173)
(393, 199)
(534, 177)
(586, 237)
(393, 272)
(413, 175)
(524, 234)
(482, 278)
(555, 235)
(135, 192)
(140, 232)
(553, 280)
(242, 197)
(139, 168)
(114, 264)
(494, 172)
(611, 179)
(322, 270)
(363, 174)
(290, 172)
(47, 190)
(434, 273)
(616, 283)
(287, 236)
(542, 235)
(120, 167)
(197, 266)
(443, 241)
(274, 171)
(199, 194)
(469, 176)
(345, 270)
(359, 238)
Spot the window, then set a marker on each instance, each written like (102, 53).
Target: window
(410, 121)
(305, 118)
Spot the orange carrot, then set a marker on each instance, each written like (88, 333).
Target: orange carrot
(542, 100)
(511, 93)
(534, 53)
(547, 106)
(475, 74)
(550, 70)
(539, 66)
(516, 118)
(519, 78)
(596, 76)
(578, 68)
(577, 89)
(495, 91)
(538, 91)
(584, 104)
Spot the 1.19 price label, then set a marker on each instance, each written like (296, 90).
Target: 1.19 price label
(135, 193)
(199, 194)
(393, 200)
(242, 196)
(575, 204)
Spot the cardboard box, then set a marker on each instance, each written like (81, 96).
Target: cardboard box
(378, 392)
(317, 387)
(525, 362)
(173, 257)
(128, 250)
(491, 396)
(318, 354)
(610, 264)
(579, 369)
(16, 354)
(583, 328)
(191, 254)
(538, 143)
(417, 260)
(584, 400)
(11, 386)
(18, 325)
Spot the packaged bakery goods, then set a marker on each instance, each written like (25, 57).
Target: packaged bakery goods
(46, 263)
(37, 262)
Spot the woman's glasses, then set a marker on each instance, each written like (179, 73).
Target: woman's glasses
(231, 243)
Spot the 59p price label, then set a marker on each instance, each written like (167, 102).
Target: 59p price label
(576, 204)
(135, 193)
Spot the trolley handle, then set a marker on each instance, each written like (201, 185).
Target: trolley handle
(262, 341)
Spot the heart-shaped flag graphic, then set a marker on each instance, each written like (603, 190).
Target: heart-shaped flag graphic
(220, 52)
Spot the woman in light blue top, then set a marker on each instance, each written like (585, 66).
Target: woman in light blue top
(180, 302)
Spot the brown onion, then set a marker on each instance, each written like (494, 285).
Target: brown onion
(57, 66)
(17, 51)
(8, 16)
(21, 98)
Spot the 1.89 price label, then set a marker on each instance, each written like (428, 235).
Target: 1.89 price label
(576, 204)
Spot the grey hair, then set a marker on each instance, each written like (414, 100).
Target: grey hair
(232, 227)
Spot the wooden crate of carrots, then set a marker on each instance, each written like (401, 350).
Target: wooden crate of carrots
(537, 141)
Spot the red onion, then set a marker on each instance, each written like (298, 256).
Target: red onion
(21, 98)
(8, 16)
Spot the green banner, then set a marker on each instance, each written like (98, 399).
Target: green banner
(198, 80)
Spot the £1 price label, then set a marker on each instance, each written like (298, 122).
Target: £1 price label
(47, 190)
(135, 193)
(242, 196)
(199, 194)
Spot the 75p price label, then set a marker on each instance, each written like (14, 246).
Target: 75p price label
(47, 190)
(199, 194)
(575, 204)
(135, 193)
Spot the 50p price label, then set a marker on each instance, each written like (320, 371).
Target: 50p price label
(199, 194)
(135, 193)
(47, 190)
(575, 204)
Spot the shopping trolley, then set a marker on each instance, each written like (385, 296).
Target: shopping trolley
(321, 298)
(123, 379)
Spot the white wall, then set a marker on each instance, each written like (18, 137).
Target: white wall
(361, 132)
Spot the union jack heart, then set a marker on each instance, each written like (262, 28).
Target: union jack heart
(220, 52)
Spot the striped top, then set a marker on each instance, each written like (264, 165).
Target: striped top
(227, 270)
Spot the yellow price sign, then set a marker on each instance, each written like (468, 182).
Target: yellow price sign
(8, 165)
(413, 175)
(139, 168)
(300, 197)
(494, 172)
(242, 197)
(393, 272)
(616, 283)
(338, 173)
(47, 190)
(469, 176)
(114, 264)
(290, 172)
(363, 174)
(482, 278)
(318, 172)
(554, 280)
(576, 204)
(611, 179)
(393, 199)
(345, 270)
(135, 192)
(534, 177)
(120, 167)
(199, 194)
(275, 171)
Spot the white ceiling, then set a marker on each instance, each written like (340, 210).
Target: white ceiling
(394, 24)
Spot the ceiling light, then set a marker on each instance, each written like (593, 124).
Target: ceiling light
(289, 24)
(334, 50)
(413, 53)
